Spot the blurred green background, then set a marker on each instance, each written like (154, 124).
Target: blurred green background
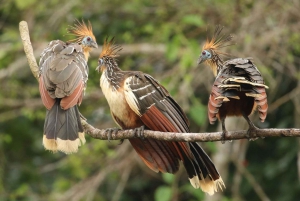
(163, 39)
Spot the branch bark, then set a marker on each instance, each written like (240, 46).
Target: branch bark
(168, 136)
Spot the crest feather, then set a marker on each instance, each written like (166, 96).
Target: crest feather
(81, 30)
(218, 41)
(109, 49)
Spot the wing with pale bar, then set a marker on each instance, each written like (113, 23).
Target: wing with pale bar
(238, 75)
(159, 111)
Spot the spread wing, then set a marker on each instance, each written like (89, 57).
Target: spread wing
(238, 75)
(63, 74)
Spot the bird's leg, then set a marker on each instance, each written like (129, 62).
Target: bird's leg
(111, 131)
(224, 131)
(251, 133)
(139, 132)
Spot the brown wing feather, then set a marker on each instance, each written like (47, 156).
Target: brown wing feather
(238, 79)
(63, 76)
(46, 99)
(159, 112)
(63, 69)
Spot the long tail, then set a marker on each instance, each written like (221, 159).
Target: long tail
(205, 174)
(164, 156)
(62, 129)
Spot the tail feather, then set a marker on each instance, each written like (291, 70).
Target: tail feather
(62, 129)
(207, 178)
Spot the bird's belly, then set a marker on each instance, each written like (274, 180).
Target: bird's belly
(122, 113)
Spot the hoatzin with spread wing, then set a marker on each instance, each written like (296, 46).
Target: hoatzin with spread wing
(137, 100)
(239, 88)
(62, 81)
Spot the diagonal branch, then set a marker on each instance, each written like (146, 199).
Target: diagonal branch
(126, 134)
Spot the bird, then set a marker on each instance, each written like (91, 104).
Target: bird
(138, 101)
(239, 88)
(63, 75)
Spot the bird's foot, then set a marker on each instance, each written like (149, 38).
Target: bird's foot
(251, 133)
(139, 132)
(111, 131)
(223, 138)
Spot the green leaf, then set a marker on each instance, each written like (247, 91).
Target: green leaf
(193, 20)
(21, 4)
(198, 114)
(168, 178)
(163, 193)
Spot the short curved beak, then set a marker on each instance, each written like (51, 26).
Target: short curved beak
(200, 60)
(94, 44)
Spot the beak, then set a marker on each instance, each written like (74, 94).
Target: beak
(200, 60)
(94, 44)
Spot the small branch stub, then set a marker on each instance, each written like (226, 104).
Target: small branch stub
(24, 32)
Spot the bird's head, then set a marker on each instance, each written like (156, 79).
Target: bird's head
(211, 53)
(108, 55)
(84, 36)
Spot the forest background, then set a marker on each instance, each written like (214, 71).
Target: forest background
(164, 39)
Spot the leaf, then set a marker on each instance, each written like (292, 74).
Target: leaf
(198, 114)
(168, 178)
(193, 20)
(163, 193)
(21, 4)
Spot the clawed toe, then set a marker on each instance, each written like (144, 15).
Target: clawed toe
(224, 135)
(139, 132)
(251, 133)
(111, 131)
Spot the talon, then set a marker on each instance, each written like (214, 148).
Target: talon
(251, 133)
(223, 138)
(111, 131)
(139, 132)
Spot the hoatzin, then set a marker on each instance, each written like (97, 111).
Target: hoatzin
(238, 89)
(62, 81)
(137, 100)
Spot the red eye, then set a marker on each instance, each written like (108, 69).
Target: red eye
(88, 39)
(203, 53)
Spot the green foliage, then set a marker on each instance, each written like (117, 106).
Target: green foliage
(163, 193)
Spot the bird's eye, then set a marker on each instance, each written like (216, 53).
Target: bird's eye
(204, 53)
(88, 39)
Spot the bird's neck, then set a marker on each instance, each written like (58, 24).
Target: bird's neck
(216, 64)
(86, 52)
(113, 74)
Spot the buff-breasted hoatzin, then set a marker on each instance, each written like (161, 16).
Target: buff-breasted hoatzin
(138, 100)
(238, 89)
(63, 79)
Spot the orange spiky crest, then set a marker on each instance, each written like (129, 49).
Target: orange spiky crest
(217, 41)
(81, 30)
(109, 49)
(214, 45)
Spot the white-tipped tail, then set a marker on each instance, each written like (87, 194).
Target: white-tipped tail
(207, 185)
(65, 146)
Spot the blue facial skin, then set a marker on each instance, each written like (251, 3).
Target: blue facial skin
(204, 56)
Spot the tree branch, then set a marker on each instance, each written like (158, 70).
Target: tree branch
(126, 134)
